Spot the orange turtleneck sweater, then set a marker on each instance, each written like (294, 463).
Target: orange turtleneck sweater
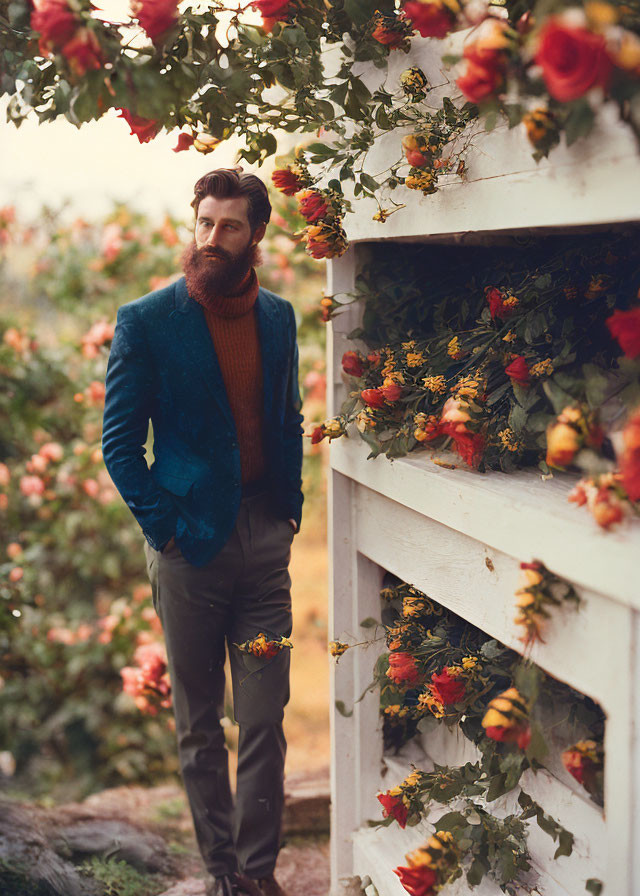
(233, 326)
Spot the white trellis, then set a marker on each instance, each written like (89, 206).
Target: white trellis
(459, 535)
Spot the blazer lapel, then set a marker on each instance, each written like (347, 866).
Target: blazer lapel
(192, 332)
(270, 346)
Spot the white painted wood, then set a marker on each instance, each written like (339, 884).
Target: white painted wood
(516, 513)
(597, 180)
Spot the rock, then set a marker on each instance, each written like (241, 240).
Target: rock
(307, 799)
(192, 886)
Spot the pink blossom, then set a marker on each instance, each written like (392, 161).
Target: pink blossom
(51, 451)
(5, 475)
(31, 485)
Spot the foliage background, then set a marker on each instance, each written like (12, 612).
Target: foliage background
(74, 599)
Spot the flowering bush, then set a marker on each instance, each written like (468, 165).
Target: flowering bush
(83, 679)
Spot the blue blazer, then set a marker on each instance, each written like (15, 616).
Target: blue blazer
(163, 367)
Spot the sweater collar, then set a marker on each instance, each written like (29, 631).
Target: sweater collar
(237, 303)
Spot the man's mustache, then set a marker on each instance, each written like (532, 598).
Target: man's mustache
(216, 253)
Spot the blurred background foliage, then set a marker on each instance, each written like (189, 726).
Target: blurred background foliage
(75, 603)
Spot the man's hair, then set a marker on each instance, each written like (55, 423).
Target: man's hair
(229, 183)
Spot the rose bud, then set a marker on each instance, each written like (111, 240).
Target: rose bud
(563, 443)
(352, 364)
(373, 397)
(391, 392)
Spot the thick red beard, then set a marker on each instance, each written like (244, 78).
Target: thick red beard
(206, 277)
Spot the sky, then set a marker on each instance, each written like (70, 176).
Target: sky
(101, 162)
(97, 164)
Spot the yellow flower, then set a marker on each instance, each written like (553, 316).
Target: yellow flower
(205, 143)
(407, 346)
(427, 701)
(510, 302)
(337, 648)
(364, 420)
(467, 387)
(542, 368)
(435, 384)
(413, 81)
(509, 440)
(510, 337)
(469, 662)
(422, 180)
(507, 710)
(394, 376)
(415, 359)
(538, 123)
(601, 14)
(381, 215)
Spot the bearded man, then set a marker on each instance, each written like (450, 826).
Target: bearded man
(212, 361)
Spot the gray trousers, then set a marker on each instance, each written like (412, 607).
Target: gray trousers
(244, 590)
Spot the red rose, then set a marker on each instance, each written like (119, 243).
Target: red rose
(56, 24)
(394, 807)
(271, 9)
(415, 158)
(429, 17)
(352, 364)
(518, 371)
(285, 180)
(418, 881)
(156, 16)
(518, 735)
(625, 327)
(184, 142)
(483, 75)
(630, 462)
(373, 397)
(388, 37)
(392, 392)
(573, 60)
(83, 52)
(448, 689)
(317, 435)
(469, 445)
(497, 306)
(312, 205)
(403, 668)
(145, 129)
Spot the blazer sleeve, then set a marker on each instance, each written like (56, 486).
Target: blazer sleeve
(127, 411)
(292, 433)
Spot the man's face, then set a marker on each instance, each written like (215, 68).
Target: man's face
(224, 242)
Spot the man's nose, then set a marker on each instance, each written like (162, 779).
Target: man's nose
(214, 236)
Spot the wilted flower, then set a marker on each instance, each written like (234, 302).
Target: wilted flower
(373, 397)
(414, 81)
(541, 127)
(205, 143)
(403, 668)
(507, 719)
(390, 31)
(288, 180)
(501, 304)
(337, 648)
(325, 240)
(542, 368)
(262, 646)
(352, 364)
(312, 205)
(585, 762)
(422, 180)
(145, 129)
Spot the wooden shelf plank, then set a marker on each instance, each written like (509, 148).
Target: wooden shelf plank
(517, 514)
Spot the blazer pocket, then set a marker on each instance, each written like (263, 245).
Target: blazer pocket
(177, 485)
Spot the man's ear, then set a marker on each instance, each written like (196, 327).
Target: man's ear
(258, 234)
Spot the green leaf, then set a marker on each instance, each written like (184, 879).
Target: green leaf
(342, 709)
(579, 121)
(565, 847)
(369, 622)
(497, 787)
(594, 886)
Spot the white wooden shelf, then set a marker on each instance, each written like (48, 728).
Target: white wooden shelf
(518, 514)
(597, 180)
